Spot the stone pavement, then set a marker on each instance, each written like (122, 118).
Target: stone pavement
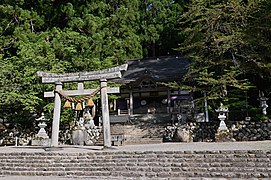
(195, 146)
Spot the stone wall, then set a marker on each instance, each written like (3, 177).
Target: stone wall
(200, 132)
(252, 131)
(154, 126)
(205, 131)
(240, 130)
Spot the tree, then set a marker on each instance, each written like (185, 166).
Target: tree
(258, 47)
(158, 22)
(228, 42)
(214, 40)
(57, 36)
(72, 36)
(19, 89)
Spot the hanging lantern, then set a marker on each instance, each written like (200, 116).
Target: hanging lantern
(67, 104)
(90, 103)
(78, 107)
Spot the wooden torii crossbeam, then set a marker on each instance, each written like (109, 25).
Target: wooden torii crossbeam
(101, 75)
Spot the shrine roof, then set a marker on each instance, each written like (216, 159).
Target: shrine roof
(160, 69)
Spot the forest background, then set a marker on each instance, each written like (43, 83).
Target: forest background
(227, 41)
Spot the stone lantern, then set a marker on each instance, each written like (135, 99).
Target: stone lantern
(263, 104)
(41, 138)
(223, 133)
(42, 124)
(222, 116)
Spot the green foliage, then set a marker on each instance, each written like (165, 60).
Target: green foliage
(158, 26)
(228, 42)
(258, 49)
(71, 36)
(217, 39)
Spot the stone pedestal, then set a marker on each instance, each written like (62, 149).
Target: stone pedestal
(78, 137)
(41, 142)
(223, 136)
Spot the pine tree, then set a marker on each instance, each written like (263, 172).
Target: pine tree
(158, 26)
(214, 38)
(258, 46)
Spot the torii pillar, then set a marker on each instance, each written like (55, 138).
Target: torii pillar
(105, 114)
(56, 116)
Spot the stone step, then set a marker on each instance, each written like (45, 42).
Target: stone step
(140, 174)
(136, 168)
(139, 169)
(154, 164)
(141, 140)
(142, 162)
(138, 158)
(236, 153)
(148, 164)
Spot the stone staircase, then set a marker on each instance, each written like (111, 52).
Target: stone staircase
(113, 164)
(141, 129)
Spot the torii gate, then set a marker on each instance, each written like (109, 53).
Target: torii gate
(80, 77)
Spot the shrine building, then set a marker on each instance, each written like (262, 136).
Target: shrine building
(143, 90)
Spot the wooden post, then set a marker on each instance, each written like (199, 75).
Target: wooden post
(168, 101)
(131, 104)
(206, 108)
(56, 117)
(105, 114)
